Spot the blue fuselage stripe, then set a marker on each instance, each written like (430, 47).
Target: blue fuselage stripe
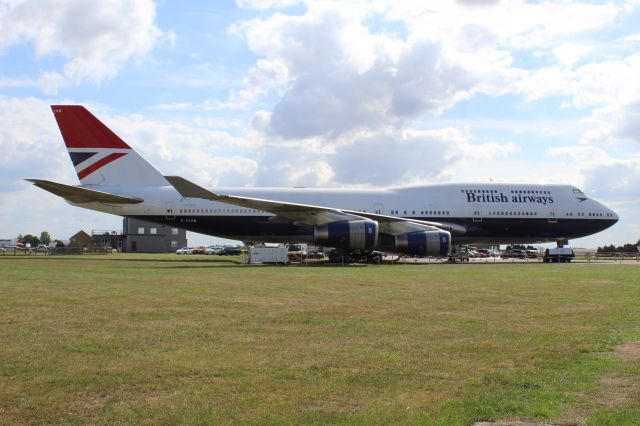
(493, 229)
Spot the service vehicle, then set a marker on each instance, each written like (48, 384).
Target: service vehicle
(558, 255)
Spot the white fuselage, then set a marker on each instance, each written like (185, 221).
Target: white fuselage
(490, 213)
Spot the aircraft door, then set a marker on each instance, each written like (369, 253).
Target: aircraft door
(378, 208)
(552, 216)
(170, 208)
(477, 213)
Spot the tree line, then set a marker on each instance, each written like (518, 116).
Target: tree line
(35, 241)
(627, 248)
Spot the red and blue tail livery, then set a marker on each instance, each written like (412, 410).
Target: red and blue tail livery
(99, 155)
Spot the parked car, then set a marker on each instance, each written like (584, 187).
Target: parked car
(532, 254)
(478, 253)
(198, 250)
(230, 251)
(183, 250)
(488, 253)
(514, 254)
(315, 254)
(211, 250)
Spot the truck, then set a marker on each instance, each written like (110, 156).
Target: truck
(558, 255)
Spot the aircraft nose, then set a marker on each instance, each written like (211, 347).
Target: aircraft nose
(613, 216)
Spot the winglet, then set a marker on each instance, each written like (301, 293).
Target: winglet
(189, 189)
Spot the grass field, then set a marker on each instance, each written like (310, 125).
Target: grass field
(168, 339)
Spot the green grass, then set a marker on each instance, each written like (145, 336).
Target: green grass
(168, 339)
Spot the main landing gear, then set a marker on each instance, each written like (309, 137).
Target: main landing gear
(355, 256)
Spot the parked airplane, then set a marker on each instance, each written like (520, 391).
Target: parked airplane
(421, 220)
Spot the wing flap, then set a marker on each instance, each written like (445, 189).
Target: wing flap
(79, 195)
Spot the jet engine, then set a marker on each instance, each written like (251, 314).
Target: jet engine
(348, 234)
(424, 243)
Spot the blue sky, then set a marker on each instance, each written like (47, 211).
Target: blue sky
(285, 93)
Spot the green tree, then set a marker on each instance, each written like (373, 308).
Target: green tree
(45, 238)
(30, 239)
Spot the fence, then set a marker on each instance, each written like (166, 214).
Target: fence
(55, 251)
(612, 255)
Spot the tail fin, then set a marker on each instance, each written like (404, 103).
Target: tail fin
(99, 155)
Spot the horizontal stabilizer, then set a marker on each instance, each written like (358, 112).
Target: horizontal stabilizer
(76, 194)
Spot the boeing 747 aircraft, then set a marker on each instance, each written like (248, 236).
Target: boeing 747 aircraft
(419, 220)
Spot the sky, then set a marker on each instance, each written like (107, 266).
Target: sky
(363, 93)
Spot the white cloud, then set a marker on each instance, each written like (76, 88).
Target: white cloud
(605, 176)
(630, 39)
(261, 77)
(513, 24)
(27, 141)
(396, 159)
(95, 38)
(614, 123)
(265, 4)
(383, 158)
(570, 53)
(191, 149)
(610, 85)
(336, 76)
(350, 95)
(607, 82)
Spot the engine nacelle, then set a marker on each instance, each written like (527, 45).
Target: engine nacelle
(425, 243)
(348, 234)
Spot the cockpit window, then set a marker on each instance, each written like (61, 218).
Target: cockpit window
(579, 194)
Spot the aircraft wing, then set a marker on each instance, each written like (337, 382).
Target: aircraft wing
(76, 194)
(310, 214)
(304, 213)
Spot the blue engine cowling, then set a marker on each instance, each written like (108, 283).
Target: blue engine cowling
(348, 234)
(425, 243)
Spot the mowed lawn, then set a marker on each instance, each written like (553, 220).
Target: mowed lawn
(193, 339)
